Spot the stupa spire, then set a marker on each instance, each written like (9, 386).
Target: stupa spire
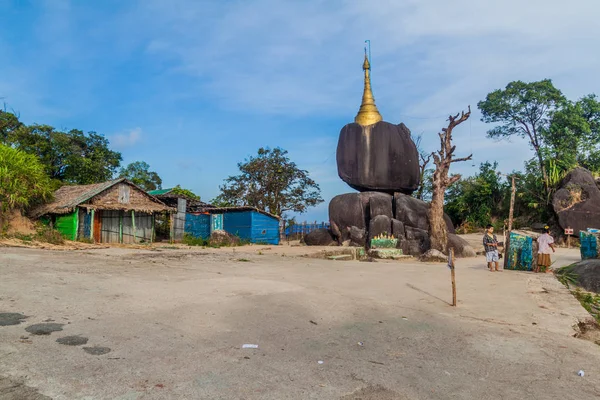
(368, 114)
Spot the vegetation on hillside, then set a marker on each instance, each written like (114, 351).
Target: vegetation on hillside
(23, 181)
(563, 134)
(45, 158)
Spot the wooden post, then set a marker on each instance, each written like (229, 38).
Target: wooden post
(133, 225)
(92, 225)
(76, 221)
(152, 232)
(452, 275)
(512, 204)
(510, 222)
(172, 227)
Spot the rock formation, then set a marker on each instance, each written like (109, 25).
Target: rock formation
(320, 237)
(381, 161)
(577, 201)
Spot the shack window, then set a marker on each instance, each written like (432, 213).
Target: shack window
(124, 194)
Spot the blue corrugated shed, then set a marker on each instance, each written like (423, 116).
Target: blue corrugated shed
(265, 229)
(238, 223)
(249, 225)
(197, 225)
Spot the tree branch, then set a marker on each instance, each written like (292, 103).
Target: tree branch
(453, 179)
(469, 157)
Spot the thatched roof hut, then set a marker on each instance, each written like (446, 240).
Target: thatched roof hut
(113, 211)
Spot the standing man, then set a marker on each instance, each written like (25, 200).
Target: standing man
(545, 244)
(490, 244)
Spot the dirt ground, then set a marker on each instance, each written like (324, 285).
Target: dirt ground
(170, 323)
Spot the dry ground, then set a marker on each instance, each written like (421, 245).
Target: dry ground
(175, 321)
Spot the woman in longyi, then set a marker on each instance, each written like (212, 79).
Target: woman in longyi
(545, 245)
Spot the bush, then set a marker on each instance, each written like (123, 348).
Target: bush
(23, 180)
(49, 235)
(192, 240)
(44, 234)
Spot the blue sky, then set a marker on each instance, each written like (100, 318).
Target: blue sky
(193, 87)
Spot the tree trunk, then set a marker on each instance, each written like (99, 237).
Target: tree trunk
(443, 158)
(438, 231)
(543, 169)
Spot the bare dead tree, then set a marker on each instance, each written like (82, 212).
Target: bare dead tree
(443, 158)
(424, 159)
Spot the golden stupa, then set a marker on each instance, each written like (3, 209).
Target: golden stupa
(368, 114)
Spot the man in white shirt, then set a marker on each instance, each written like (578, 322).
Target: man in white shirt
(545, 245)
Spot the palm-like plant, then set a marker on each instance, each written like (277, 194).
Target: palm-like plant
(23, 180)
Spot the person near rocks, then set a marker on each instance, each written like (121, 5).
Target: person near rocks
(545, 245)
(490, 244)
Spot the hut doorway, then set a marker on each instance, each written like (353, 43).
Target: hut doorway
(97, 226)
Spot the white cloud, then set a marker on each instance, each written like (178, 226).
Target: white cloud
(127, 139)
(304, 57)
(303, 60)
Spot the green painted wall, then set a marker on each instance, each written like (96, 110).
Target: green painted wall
(67, 225)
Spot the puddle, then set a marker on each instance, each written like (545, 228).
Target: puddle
(44, 329)
(96, 350)
(72, 340)
(11, 318)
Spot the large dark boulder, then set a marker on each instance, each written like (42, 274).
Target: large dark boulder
(381, 205)
(413, 212)
(346, 210)
(398, 229)
(352, 209)
(379, 157)
(358, 237)
(417, 241)
(320, 237)
(587, 273)
(577, 201)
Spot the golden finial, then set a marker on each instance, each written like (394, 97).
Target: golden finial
(367, 113)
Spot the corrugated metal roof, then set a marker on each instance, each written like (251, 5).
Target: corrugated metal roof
(158, 192)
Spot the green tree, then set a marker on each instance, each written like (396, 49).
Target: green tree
(9, 122)
(23, 181)
(574, 134)
(525, 110)
(72, 157)
(425, 186)
(270, 182)
(139, 173)
(480, 199)
(185, 192)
